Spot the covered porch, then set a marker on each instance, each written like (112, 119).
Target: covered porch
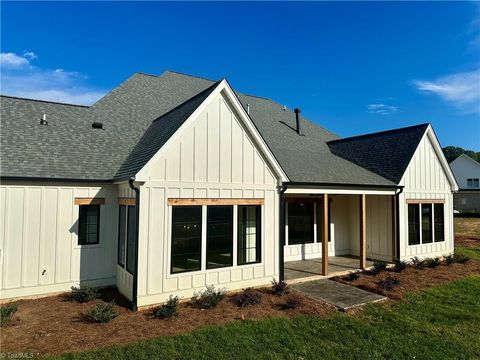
(359, 225)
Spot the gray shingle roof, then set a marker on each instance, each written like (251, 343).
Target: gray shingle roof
(138, 117)
(386, 153)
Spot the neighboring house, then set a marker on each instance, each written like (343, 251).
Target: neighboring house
(467, 174)
(171, 183)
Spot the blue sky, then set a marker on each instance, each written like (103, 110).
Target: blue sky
(351, 67)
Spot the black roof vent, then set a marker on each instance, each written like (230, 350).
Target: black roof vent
(297, 119)
(97, 125)
(43, 120)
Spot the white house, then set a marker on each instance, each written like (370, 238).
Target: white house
(170, 183)
(467, 174)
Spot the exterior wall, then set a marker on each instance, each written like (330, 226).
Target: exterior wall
(38, 238)
(465, 168)
(467, 201)
(214, 157)
(425, 179)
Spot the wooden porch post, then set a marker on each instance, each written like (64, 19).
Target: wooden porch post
(326, 229)
(363, 232)
(394, 228)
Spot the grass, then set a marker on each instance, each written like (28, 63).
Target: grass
(467, 226)
(442, 322)
(472, 253)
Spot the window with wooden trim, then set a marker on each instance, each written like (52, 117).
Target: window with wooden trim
(186, 239)
(249, 235)
(88, 224)
(126, 237)
(426, 223)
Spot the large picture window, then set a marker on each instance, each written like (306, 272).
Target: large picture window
(426, 223)
(126, 237)
(219, 236)
(300, 223)
(249, 234)
(88, 224)
(186, 238)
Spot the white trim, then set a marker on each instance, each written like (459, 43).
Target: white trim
(326, 190)
(222, 88)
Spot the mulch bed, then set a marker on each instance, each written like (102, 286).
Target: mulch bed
(412, 279)
(55, 325)
(468, 241)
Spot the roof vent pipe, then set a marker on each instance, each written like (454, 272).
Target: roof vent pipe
(297, 118)
(248, 109)
(43, 120)
(97, 125)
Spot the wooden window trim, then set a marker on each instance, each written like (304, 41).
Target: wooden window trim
(425, 201)
(183, 202)
(126, 201)
(89, 201)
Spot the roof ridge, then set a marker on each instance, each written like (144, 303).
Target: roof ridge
(378, 133)
(188, 75)
(45, 101)
(146, 74)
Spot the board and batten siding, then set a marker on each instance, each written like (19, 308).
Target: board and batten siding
(38, 238)
(425, 179)
(213, 157)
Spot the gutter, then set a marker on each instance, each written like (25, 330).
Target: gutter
(339, 185)
(137, 220)
(281, 253)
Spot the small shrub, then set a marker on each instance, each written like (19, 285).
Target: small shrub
(209, 298)
(460, 258)
(449, 259)
(248, 297)
(6, 312)
(400, 265)
(280, 288)
(102, 312)
(84, 293)
(291, 303)
(418, 263)
(378, 267)
(389, 283)
(167, 310)
(432, 262)
(352, 276)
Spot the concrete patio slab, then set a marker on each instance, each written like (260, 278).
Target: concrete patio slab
(343, 296)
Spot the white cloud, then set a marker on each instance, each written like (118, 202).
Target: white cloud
(461, 90)
(21, 78)
(381, 108)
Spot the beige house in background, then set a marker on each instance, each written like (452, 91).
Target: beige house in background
(171, 183)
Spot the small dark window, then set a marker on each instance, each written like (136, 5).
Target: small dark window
(320, 221)
(439, 221)
(88, 224)
(413, 224)
(131, 219)
(122, 232)
(427, 231)
(219, 236)
(249, 234)
(300, 223)
(186, 238)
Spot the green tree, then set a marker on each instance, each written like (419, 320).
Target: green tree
(453, 152)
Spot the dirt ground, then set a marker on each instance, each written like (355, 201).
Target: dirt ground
(467, 228)
(54, 325)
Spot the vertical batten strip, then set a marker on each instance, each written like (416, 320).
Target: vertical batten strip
(363, 233)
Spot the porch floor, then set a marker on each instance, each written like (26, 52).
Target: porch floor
(313, 267)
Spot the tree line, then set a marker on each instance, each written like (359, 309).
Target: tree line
(453, 152)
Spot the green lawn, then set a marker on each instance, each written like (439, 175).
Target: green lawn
(441, 323)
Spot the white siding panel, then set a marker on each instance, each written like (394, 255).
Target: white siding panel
(32, 236)
(14, 243)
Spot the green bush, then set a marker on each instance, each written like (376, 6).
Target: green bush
(378, 267)
(418, 263)
(84, 293)
(6, 312)
(209, 298)
(280, 288)
(352, 276)
(389, 283)
(102, 312)
(167, 310)
(291, 303)
(449, 259)
(460, 258)
(399, 265)
(248, 297)
(432, 262)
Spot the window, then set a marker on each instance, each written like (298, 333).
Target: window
(426, 223)
(249, 234)
(300, 223)
(320, 222)
(219, 236)
(439, 221)
(186, 238)
(88, 224)
(126, 237)
(473, 183)
(413, 224)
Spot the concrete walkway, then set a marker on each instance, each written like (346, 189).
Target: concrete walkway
(342, 296)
